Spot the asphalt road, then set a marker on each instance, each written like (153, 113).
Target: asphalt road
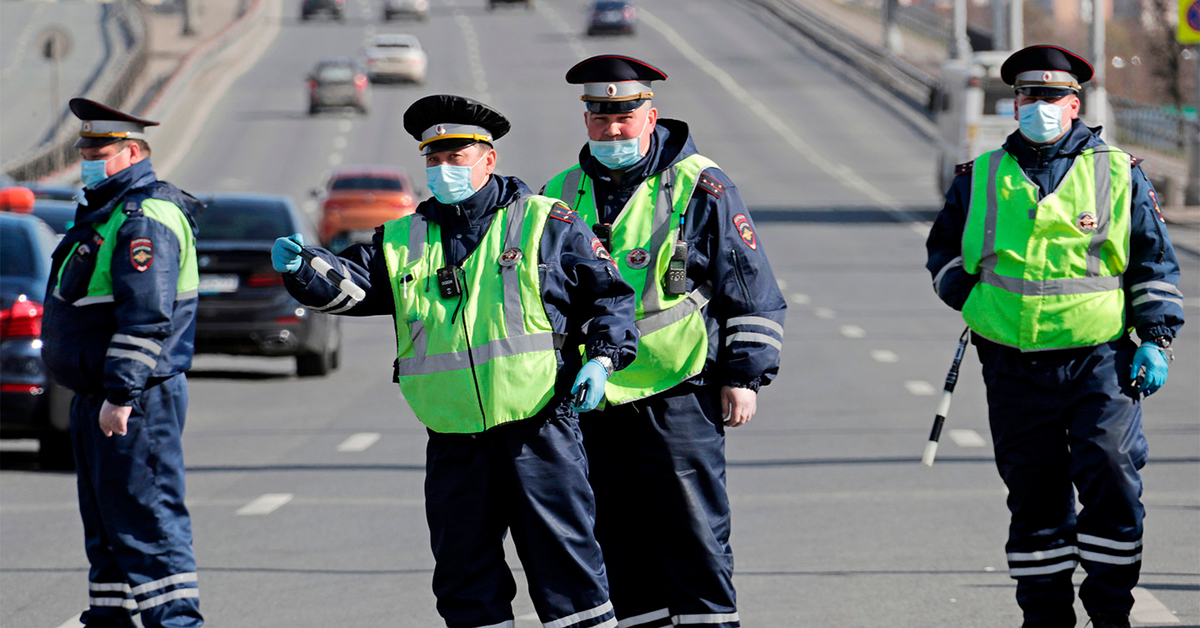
(835, 521)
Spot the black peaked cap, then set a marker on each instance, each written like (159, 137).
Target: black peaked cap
(448, 109)
(85, 109)
(613, 68)
(1045, 57)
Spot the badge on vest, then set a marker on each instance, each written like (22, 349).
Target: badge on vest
(1086, 222)
(141, 254)
(510, 257)
(637, 259)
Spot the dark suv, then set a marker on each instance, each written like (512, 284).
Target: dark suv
(334, 8)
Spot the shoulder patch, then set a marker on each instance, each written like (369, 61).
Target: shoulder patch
(710, 185)
(561, 212)
(141, 253)
(602, 253)
(966, 168)
(742, 224)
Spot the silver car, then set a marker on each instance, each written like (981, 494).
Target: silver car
(340, 82)
(392, 57)
(415, 9)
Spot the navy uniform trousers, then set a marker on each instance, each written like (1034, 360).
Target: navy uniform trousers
(1062, 419)
(663, 516)
(138, 534)
(530, 478)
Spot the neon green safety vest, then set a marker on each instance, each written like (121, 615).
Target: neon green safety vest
(1050, 270)
(470, 363)
(673, 340)
(100, 285)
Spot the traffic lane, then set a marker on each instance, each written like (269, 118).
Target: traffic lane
(26, 76)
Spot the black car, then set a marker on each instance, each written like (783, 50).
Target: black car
(611, 17)
(244, 308)
(333, 8)
(60, 215)
(31, 404)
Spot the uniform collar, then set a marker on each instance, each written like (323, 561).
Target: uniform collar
(1078, 138)
(670, 143)
(103, 198)
(497, 192)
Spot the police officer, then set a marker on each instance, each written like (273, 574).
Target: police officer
(120, 314)
(486, 282)
(1053, 248)
(710, 317)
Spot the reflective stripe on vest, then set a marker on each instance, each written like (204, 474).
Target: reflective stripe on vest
(100, 286)
(467, 364)
(673, 342)
(1049, 270)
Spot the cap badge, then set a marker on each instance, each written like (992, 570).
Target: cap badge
(1086, 222)
(1047, 77)
(638, 259)
(510, 257)
(87, 126)
(440, 129)
(611, 90)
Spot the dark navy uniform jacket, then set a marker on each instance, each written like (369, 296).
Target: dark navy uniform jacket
(723, 250)
(107, 348)
(1151, 256)
(577, 286)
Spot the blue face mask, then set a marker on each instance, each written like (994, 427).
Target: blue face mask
(1040, 121)
(93, 172)
(451, 184)
(618, 154)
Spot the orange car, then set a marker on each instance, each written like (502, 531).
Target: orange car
(359, 199)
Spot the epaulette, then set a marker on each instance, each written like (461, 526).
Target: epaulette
(966, 168)
(560, 211)
(711, 185)
(1136, 161)
(379, 229)
(132, 208)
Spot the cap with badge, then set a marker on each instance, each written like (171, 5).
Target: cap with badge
(614, 83)
(446, 122)
(103, 125)
(1045, 71)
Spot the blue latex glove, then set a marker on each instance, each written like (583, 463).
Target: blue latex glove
(594, 375)
(285, 253)
(1152, 358)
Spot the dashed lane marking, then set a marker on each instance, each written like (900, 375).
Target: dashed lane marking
(339, 142)
(885, 356)
(561, 25)
(335, 159)
(919, 388)
(966, 438)
(800, 298)
(266, 504)
(359, 442)
(824, 312)
(843, 173)
(853, 331)
(1148, 610)
(345, 125)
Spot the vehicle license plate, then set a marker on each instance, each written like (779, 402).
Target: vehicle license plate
(215, 284)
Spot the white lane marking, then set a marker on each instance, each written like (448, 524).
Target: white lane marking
(339, 142)
(201, 112)
(919, 388)
(824, 312)
(265, 504)
(1148, 610)
(966, 438)
(345, 125)
(359, 442)
(72, 622)
(853, 331)
(841, 172)
(800, 299)
(558, 23)
(335, 159)
(474, 59)
(885, 356)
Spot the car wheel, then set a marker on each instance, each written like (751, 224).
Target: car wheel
(313, 110)
(304, 17)
(55, 452)
(313, 364)
(362, 109)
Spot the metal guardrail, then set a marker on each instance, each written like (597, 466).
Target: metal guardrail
(60, 151)
(1151, 127)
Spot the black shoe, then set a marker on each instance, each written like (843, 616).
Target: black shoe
(1109, 620)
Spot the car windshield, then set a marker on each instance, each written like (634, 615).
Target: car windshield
(367, 183)
(335, 73)
(236, 219)
(16, 252)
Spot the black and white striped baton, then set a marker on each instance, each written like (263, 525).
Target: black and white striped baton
(944, 405)
(332, 276)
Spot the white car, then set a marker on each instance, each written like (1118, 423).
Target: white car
(416, 9)
(395, 57)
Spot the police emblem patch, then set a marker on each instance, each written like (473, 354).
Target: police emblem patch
(510, 257)
(1157, 209)
(1086, 222)
(742, 224)
(601, 252)
(141, 254)
(637, 259)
